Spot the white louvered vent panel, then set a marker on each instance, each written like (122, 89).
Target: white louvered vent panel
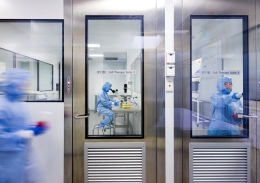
(219, 162)
(113, 163)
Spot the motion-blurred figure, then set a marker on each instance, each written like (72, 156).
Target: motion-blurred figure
(227, 109)
(16, 161)
(104, 106)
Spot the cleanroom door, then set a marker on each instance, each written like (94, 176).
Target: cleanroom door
(221, 44)
(113, 88)
(87, 80)
(219, 72)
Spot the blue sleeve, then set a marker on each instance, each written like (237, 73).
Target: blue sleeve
(221, 101)
(104, 100)
(9, 141)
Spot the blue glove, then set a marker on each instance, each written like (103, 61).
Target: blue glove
(116, 103)
(38, 130)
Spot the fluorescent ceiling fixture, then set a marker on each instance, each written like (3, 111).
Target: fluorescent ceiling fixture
(132, 5)
(93, 45)
(96, 55)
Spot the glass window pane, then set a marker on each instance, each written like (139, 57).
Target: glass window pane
(218, 59)
(30, 65)
(36, 46)
(6, 58)
(45, 76)
(6, 61)
(115, 62)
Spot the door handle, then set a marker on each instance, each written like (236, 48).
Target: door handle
(250, 116)
(77, 116)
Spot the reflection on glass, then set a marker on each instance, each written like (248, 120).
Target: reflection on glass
(227, 110)
(114, 70)
(217, 76)
(45, 76)
(36, 46)
(6, 61)
(136, 78)
(30, 65)
(6, 57)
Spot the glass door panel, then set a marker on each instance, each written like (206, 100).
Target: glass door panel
(114, 49)
(219, 76)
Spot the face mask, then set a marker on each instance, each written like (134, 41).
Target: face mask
(225, 91)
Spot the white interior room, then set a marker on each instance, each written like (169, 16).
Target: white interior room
(210, 54)
(28, 43)
(116, 48)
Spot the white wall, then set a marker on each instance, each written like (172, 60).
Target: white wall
(31, 9)
(50, 146)
(131, 56)
(94, 80)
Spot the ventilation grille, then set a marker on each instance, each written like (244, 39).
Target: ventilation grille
(114, 162)
(219, 162)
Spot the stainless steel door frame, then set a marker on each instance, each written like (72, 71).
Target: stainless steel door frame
(68, 94)
(214, 8)
(75, 12)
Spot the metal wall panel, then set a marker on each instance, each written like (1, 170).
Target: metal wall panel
(160, 96)
(217, 7)
(154, 104)
(67, 96)
(178, 91)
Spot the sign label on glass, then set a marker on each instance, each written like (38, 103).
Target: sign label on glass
(116, 72)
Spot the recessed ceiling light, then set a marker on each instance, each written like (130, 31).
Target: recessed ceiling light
(96, 55)
(93, 45)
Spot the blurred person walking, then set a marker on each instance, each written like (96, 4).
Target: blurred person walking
(17, 162)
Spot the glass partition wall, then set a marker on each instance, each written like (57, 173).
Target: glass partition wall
(35, 46)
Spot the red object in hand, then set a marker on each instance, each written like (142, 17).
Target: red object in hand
(42, 124)
(238, 116)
